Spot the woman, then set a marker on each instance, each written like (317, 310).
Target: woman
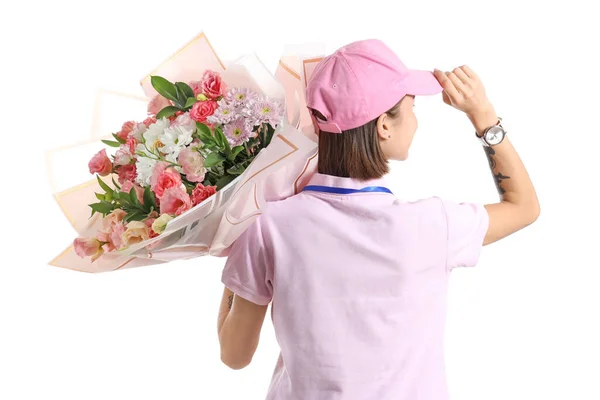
(358, 278)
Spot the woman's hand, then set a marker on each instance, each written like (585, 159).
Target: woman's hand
(463, 90)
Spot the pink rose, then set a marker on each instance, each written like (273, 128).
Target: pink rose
(202, 110)
(164, 177)
(85, 247)
(156, 104)
(127, 173)
(139, 191)
(212, 86)
(175, 201)
(100, 164)
(149, 121)
(126, 129)
(192, 164)
(201, 193)
(196, 87)
(122, 156)
(135, 232)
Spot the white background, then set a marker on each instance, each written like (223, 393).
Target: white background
(523, 324)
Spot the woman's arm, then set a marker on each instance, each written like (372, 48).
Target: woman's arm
(239, 325)
(518, 206)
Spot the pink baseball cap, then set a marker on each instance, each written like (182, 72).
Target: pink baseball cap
(361, 81)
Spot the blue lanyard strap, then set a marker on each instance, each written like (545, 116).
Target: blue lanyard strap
(336, 190)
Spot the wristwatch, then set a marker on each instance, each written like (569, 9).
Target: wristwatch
(492, 136)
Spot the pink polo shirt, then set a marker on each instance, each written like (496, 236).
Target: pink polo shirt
(358, 284)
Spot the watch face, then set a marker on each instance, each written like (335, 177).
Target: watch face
(494, 135)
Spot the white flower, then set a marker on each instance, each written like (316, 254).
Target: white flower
(185, 121)
(144, 167)
(173, 159)
(138, 130)
(175, 138)
(152, 135)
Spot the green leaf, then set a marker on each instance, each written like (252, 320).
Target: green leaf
(224, 141)
(181, 97)
(213, 159)
(167, 112)
(131, 216)
(149, 199)
(224, 181)
(119, 139)
(185, 89)
(235, 151)
(165, 88)
(203, 129)
(111, 143)
(134, 199)
(102, 207)
(99, 196)
(104, 186)
(190, 102)
(116, 184)
(236, 170)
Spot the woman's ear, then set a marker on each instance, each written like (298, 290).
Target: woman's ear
(383, 126)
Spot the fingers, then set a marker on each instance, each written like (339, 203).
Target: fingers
(446, 83)
(469, 72)
(458, 84)
(460, 74)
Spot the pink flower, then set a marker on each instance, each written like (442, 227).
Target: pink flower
(85, 247)
(212, 86)
(126, 129)
(164, 177)
(149, 121)
(175, 201)
(116, 235)
(127, 173)
(192, 163)
(109, 222)
(201, 193)
(202, 110)
(156, 104)
(122, 156)
(139, 191)
(149, 222)
(196, 87)
(100, 164)
(130, 145)
(135, 232)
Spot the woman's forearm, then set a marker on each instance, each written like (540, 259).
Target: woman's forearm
(510, 175)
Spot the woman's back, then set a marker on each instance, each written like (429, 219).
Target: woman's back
(358, 285)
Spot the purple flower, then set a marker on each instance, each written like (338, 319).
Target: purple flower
(224, 114)
(265, 111)
(237, 132)
(241, 96)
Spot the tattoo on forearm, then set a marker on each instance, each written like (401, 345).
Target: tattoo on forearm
(230, 303)
(498, 176)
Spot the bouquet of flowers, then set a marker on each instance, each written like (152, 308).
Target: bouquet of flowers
(214, 147)
(197, 139)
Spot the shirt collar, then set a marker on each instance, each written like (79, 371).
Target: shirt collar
(346, 183)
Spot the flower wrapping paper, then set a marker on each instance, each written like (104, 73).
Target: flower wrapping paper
(210, 228)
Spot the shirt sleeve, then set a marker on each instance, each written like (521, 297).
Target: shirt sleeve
(248, 270)
(467, 224)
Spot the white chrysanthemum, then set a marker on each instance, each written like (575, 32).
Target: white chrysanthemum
(154, 132)
(175, 138)
(138, 130)
(144, 167)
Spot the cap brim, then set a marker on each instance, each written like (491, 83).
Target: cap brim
(421, 83)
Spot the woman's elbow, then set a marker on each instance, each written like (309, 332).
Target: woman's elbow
(233, 361)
